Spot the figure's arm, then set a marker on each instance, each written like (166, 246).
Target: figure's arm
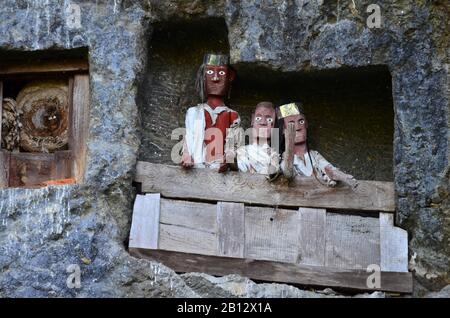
(274, 168)
(287, 164)
(337, 175)
(233, 141)
(187, 161)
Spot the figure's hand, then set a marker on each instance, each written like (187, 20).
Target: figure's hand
(223, 167)
(230, 156)
(337, 175)
(351, 181)
(331, 183)
(186, 161)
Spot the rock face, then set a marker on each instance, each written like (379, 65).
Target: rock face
(45, 232)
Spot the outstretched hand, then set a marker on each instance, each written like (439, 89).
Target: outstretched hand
(186, 161)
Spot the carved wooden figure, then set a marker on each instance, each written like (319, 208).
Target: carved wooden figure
(258, 156)
(211, 123)
(298, 158)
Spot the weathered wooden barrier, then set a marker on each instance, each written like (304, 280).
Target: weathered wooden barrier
(301, 233)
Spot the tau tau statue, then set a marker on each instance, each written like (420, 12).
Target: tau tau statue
(258, 156)
(210, 124)
(297, 158)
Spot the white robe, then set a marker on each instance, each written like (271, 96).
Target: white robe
(195, 132)
(304, 167)
(261, 159)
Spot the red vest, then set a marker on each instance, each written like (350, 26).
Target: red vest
(224, 121)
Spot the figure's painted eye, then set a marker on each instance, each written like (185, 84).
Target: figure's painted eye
(222, 73)
(270, 120)
(210, 72)
(301, 121)
(258, 118)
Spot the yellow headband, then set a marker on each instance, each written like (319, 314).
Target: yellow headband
(288, 110)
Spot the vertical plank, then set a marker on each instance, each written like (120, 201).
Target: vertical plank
(393, 245)
(79, 124)
(271, 234)
(63, 165)
(230, 225)
(4, 168)
(352, 241)
(145, 223)
(4, 156)
(312, 225)
(1, 109)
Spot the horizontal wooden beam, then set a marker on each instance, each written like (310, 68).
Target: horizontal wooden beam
(8, 68)
(208, 185)
(277, 272)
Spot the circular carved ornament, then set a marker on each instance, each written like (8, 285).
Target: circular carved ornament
(44, 106)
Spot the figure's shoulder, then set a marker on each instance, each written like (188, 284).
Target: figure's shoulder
(234, 115)
(195, 108)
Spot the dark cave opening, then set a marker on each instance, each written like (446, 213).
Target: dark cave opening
(350, 110)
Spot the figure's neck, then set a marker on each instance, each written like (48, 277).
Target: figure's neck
(300, 149)
(215, 101)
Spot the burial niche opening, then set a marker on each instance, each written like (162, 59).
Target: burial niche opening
(44, 100)
(168, 88)
(350, 111)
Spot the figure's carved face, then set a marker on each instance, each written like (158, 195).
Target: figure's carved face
(301, 127)
(218, 80)
(263, 120)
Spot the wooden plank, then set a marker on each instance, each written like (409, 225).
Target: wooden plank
(277, 272)
(352, 241)
(80, 124)
(1, 111)
(271, 234)
(187, 240)
(30, 169)
(145, 223)
(4, 168)
(8, 68)
(4, 156)
(63, 165)
(312, 228)
(174, 182)
(230, 225)
(393, 245)
(194, 215)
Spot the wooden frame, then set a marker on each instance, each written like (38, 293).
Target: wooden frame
(11, 68)
(61, 164)
(306, 246)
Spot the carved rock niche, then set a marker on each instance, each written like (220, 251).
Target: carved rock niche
(44, 107)
(350, 110)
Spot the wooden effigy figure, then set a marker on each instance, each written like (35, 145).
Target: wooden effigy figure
(210, 126)
(298, 159)
(259, 157)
